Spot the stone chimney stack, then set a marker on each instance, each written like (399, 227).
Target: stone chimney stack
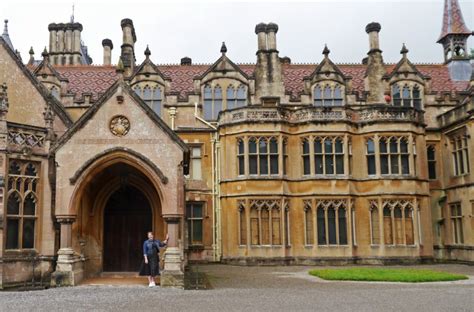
(108, 46)
(268, 74)
(65, 43)
(375, 66)
(128, 46)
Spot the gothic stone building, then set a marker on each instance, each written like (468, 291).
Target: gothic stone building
(271, 162)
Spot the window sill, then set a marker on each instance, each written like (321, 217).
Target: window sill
(196, 247)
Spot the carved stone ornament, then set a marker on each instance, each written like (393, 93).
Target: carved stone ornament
(119, 125)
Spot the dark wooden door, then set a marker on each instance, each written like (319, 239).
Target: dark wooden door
(127, 219)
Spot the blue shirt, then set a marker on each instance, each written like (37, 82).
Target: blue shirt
(149, 244)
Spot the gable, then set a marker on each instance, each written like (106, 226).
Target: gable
(120, 100)
(27, 97)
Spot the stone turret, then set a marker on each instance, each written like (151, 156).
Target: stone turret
(269, 87)
(453, 37)
(375, 66)
(128, 46)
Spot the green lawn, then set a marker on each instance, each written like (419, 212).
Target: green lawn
(385, 275)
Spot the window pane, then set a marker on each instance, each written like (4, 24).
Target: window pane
(431, 153)
(432, 170)
(147, 93)
(243, 228)
(263, 165)
(254, 227)
(217, 109)
(374, 215)
(306, 165)
(305, 147)
(273, 146)
(12, 234)
(30, 170)
(207, 92)
(318, 96)
(405, 165)
(197, 231)
(329, 162)
(338, 146)
(262, 146)
(157, 107)
(384, 164)
(371, 165)
(13, 205)
(403, 146)
(327, 146)
(274, 164)
(196, 167)
(318, 162)
(265, 216)
(309, 226)
(394, 169)
(252, 164)
(241, 147)
(28, 233)
(393, 145)
(14, 168)
(318, 147)
(321, 227)
(276, 228)
(252, 146)
(383, 146)
(370, 147)
(339, 164)
(196, 152)
(241, 165)
(332, 226)
(207, 109)
(29, 206)
(342, 226)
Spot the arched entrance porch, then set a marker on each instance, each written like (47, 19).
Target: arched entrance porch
(117, 205)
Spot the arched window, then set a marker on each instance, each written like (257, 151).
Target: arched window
(332, 225)
(306, 157)
(253, 156)
(263, 156)
(387, 226)
(241, 156)
(396, 95)
(241, 96)
(341, 213)
(156, 101)
(147, 94)
(397, 214)
(254, 226)
(243, 226)
(416, 97)
(318, 96)
(327, 96)
(308, 215)
(138, 90)
(276, 226)
(273, 156)
(265, 221)
(217, 102)
(431, 155)
(321, 226)
(208, 111)
(318, 156)
(370, 157)
(231, 98)
(338, 96)
(406, 96)
(409, 236)
(374, 223)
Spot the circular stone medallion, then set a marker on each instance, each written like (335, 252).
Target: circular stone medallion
(119, 125)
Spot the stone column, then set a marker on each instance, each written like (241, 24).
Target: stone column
(173, 275)
(69, 269)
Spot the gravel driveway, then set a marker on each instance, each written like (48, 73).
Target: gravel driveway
(273, 288)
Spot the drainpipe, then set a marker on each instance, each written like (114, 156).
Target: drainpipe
(216, 207)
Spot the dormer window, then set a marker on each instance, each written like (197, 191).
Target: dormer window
(328, 95)
(212, 102)
(236, 97)
(407, 96)
(152, 96)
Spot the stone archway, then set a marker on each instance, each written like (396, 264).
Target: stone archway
(103, 218)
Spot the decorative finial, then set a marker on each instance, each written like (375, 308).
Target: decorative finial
(5, 28)
(326, 51)
(72, 15)
(147, 52)
(404, 50)
(45, 53)
(32, 52)
(6, 36)
(223, 48)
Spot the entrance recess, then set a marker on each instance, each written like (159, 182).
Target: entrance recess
(127, 218)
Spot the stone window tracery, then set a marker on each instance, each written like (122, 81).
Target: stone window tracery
(236, 97)
(212, 102)
(328, 95)
(394, 155)
(398, 222)
(431, 156)
(460, 154)
(22, 204)
(265, 221)
(263, 155)
(332, 222)
(152, 95)
(407, 95)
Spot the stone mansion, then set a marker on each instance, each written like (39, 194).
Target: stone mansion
(249, 164)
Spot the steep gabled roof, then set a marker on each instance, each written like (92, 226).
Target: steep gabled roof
(148, 67)
(55, 104)
(404, 66)
(224, 64)
(327, 67)
(105, 97)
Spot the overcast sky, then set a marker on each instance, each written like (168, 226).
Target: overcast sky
(174, 29)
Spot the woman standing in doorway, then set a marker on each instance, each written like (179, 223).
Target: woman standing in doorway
(151, 258)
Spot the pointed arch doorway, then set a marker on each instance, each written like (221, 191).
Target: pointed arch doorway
(127, 216)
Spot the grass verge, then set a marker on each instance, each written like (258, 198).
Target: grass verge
(386, 275)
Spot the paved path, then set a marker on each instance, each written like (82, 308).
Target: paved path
(256, 289)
